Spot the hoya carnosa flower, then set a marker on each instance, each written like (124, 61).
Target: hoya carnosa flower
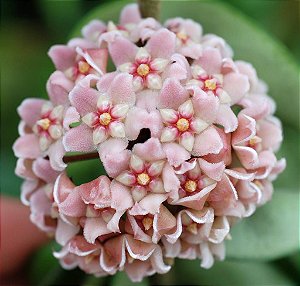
(182, 125)
(150, 64)
(188, 35)
(41, 131)
(186, 135)
(102, 111)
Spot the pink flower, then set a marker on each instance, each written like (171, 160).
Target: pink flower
(186, 135)
(102, 113)
(41, 132)
(188, 35)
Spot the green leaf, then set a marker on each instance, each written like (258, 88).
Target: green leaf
(85, 171)
(270, 233)
(226, 273)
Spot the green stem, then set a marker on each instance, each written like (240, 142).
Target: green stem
(150, 8)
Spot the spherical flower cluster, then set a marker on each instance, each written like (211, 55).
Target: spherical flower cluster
(186, 136)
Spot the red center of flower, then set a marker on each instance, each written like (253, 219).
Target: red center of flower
(210, 83)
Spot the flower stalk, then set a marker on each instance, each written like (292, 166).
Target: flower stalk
(149, 8)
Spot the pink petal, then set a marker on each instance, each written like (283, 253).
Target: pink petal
(148, 99)
(62, 187)
(171, 181)
(161, 44)
(149, 204)
(226, 118)
(41, 167)
(93, 29)
(121, 89)
(97, 58)
(62, 56)
(237, 85)
(24, 169)
(196, 201)
(114, 156)
(151, 150)
(79, 139)
(211, 61)
(58, 88)
(73, 205)
(130, 14)
(64, 232)
(30, 110)
(96, 192)
(93, 228)
(206, 107)
(209, 141)
(225, 153)
(175, 153)
(212, 170)
(248, 156)
(27, 146)
(138, 118)
(137, 270)
(271, 133)
(121, 196)
(138, 249)
(56, 153)
(83, 97)
(122, 51)
(113, 254)
(71, 116)
(172, 94)
(178, 69)
(157, 261)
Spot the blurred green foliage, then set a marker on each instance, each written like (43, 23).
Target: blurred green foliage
(29, 28)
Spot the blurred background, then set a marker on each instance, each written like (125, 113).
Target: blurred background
(29, 28)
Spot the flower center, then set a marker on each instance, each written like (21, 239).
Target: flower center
(147, 222)
(83, 67)
(105, 118)
(44, 123)
(182, 36)
(192, 228)
(143, 179)
(182, 124)
(143, 69)
(190, 186)
(210, 84)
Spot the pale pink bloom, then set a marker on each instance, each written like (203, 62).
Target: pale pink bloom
(182, 125)
(214, 41)
(102, 113)
(194, 187)
(131, 25)
(188, 36)
(186, 136)
(220, 79)
(144, 173)
(147, 64)
(136, 257)
(41, 133)
(148, 220)
(36, 191)
(78, 58)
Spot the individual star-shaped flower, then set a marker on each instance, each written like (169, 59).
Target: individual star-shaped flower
(148, 64)
(102, 111)
(181, 125)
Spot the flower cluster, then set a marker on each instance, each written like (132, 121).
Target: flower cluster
(186, 136)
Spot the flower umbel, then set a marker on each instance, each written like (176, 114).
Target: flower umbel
(181, 164)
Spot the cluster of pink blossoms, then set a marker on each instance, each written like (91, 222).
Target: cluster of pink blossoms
(186, 135)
